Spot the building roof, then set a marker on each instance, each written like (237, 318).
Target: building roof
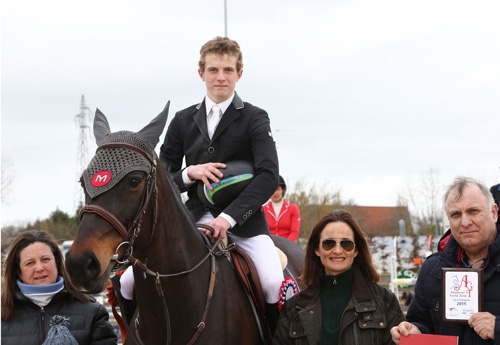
(382, 220)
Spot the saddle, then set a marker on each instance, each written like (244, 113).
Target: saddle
(249, 278)
(245, 269)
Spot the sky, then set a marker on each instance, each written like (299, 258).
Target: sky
(364, 96)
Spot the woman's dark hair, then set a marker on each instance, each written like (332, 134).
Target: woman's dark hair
(313, 271)
(12, 269)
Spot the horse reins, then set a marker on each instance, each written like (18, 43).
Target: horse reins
(211, 286)
(129, 236)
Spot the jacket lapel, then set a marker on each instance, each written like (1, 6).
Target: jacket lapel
(200, 118)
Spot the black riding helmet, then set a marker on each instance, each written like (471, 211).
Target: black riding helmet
(281, 182)
(237, 176)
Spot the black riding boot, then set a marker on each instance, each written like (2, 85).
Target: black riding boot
(272, 314)
(128, 310)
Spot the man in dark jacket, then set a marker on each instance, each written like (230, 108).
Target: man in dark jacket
(473, 241)
(203, 139)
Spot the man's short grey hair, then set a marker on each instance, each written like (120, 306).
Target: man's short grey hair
(459, 185)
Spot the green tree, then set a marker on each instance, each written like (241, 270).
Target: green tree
(59, 224)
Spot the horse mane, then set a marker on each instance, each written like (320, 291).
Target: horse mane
(164, 178)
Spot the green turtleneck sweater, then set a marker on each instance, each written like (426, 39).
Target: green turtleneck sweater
(335, 293)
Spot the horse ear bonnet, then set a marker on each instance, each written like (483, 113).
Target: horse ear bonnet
(112, 162)
(237, 176)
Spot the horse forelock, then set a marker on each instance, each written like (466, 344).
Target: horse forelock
(111, 164)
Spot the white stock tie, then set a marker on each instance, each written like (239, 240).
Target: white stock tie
(213, 120)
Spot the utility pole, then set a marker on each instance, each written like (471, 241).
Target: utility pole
(225, 18)
(83, 121)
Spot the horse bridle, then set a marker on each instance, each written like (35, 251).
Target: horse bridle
(129, 236)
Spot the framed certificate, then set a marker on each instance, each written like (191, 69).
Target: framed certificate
(462, 294)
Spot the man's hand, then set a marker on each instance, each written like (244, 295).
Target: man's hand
(403, 329)
(483, 324)
(220, 226)
(206, 172)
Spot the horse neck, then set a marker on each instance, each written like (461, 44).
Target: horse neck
(176, 246)
(174, 241)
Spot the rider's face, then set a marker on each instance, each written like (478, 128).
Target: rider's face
(220, 76)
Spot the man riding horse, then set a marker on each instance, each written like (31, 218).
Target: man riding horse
(241, 132)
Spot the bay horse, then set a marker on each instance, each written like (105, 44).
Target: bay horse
(185, 287)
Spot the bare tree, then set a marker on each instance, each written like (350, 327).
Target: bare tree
(8, 174)
(423, 198)
(314, 202)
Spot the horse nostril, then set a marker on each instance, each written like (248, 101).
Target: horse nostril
(92, 267)
(83, 267)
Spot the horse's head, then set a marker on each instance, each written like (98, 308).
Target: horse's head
(119, 185)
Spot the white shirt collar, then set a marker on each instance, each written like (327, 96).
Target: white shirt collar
(222, 105)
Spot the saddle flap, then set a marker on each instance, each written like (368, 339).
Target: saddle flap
(248, 276)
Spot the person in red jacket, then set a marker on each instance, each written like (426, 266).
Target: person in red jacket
(282, 216)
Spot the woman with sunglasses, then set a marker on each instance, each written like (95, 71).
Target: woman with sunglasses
(342, 304)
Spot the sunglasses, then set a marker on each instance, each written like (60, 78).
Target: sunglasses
(330, 243)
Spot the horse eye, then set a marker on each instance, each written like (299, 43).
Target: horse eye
(135, 182)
